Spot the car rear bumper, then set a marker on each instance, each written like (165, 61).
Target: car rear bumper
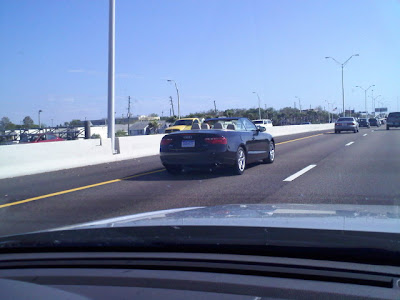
(346, 128)
(393, 124)
(196, 159)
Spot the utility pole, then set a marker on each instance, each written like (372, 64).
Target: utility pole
(129, 111)
(172, 104)
(39, 117)
(215, 108)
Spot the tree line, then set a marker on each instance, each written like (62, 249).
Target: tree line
(283, 116)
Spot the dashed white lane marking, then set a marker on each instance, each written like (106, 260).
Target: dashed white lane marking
(299, 173)
(365, 134)
(348, 144)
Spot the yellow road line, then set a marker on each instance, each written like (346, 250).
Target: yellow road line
(77, 189)
(306, 137)
(113, 181)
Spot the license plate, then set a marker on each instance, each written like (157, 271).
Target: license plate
(187, 143)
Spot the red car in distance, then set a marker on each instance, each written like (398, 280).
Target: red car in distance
(40, 138)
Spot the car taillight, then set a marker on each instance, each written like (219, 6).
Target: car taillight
(216, 140)
(352, 123)
(337, 123)
(165, 142)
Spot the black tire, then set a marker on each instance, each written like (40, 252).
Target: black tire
(336, 131)
(355, 130)
(173, 169)
(271, 154)
(240, 161)
(387, 127)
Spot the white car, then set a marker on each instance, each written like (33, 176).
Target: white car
(263, 123)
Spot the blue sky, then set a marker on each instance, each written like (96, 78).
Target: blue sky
(54, 55)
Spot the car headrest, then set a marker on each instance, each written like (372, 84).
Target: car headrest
(218, 125)
(196, 126)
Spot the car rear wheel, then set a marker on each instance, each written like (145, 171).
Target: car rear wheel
(240, 162)
(271, 154)
(387, 127)
(173, 169)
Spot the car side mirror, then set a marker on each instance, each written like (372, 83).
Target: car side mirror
(261, 128)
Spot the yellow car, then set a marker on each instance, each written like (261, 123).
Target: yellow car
(182, 124)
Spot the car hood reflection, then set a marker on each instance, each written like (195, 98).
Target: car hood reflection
(369, 218)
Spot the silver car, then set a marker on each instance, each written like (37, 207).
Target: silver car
(346, 124)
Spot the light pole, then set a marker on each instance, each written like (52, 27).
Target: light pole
(365, 94)
(111, 76)
(299, 107)
(329, 113)
(259, 103)
(342, 65)
(266, 111)
(373, 101)
(299, 102)
(39, 117)
(177, 93)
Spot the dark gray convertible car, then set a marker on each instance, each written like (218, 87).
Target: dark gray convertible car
(231, 142)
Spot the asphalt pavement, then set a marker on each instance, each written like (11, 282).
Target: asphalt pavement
(317, 167)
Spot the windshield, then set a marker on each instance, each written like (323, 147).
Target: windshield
(162, 114)
(183, 122)
(394, 115)
(29, 138)
(345, 119)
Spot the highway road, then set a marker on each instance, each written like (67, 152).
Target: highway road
(318, 167)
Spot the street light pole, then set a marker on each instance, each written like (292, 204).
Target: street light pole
(259, 105)
(329, 114)
(177, 93)
(365, 95)
(373, 102)
(342, 65)
(111, 76)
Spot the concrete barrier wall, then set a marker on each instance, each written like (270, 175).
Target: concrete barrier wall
(293, 129)
(27, 159)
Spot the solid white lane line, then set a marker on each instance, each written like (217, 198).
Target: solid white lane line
(365, 134)
(348, 144)
(299, 173)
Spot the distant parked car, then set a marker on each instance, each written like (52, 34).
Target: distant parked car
(306, 123)
(182, 124)
(263, 123)
(374, 122)
(346, 124)
(363, 122)
(39, 138)
(393, 120)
